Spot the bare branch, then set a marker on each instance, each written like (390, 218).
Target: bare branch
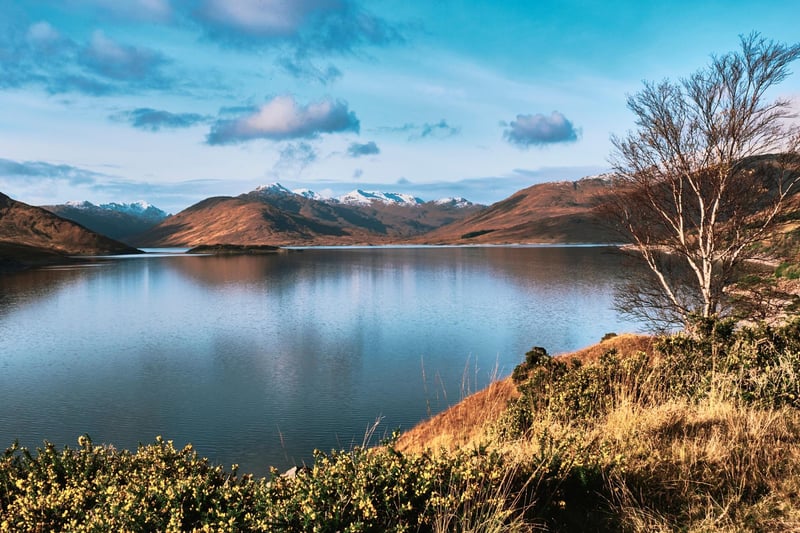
(706, 174)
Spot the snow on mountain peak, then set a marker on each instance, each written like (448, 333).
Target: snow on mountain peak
(362, 197)
(140, 208)
(272, 188)
(454, 201)
(308, 193)
(359, 197)
(80, 204)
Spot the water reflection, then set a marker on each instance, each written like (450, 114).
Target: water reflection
(260, 359)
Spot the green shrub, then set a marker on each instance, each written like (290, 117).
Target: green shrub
(607, 336)
(98, 488)
(788, 271)
(758, 365)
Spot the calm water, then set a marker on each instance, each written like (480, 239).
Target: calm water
(259, 360)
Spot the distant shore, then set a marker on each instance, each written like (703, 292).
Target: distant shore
(237, 249)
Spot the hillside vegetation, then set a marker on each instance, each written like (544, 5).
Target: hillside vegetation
(677, 433)
(556, 212)
(31, 236)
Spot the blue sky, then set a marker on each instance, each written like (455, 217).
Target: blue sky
(172, 101)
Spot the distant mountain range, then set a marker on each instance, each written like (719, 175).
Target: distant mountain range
(273, 214)
(116, 220)
(557, 212)
(360, 197)
(31, 236)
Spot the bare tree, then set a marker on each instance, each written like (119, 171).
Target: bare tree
(704, 176)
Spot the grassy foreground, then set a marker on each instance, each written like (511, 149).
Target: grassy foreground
(678, 434)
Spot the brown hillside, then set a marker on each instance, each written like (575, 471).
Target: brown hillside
(466, 422)
(547, 213)
(28, 228)
(282, 220)
(235, 221)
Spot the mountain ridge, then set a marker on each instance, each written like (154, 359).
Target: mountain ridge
(358, 196)
(120, 221)
(272, 214)
(550, 212)
(31, 236)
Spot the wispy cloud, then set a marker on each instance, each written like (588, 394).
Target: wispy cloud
(303, 30)
(540, 130)
(282, 118)
(145, 118)
(34, 171)
(294, 158)
(358, 149)
(108, 58)
(301, 67)
(318, 26)
(40, 55)
(426, 130)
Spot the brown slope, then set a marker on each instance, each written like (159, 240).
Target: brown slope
(287, 219)
(24, 229)
(118, 225)
(230, 220)
(548, 213)
(389, 222)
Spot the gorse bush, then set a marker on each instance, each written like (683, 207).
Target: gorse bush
(160, 488)
(570, 390)
(758, 365)
(701, 434)
(383, 490)
(99, 488)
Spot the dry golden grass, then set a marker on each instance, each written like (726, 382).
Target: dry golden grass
(466, 422)
(716, 466)
(674, 465)
(625, 344)
(461, 424)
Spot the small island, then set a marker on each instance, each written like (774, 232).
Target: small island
(237, 249)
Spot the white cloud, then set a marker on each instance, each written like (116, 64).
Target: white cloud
(42, 33)
(283, 118)
(266, 18)
(122, 62)
(539, 129)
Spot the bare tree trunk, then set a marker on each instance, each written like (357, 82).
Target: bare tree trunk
(706, 174)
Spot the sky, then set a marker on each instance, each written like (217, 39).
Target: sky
(173, 101)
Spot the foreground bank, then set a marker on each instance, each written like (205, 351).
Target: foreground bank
(688, 433)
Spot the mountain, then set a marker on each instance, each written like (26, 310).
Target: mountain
(368, 198)
(360, 197)
(31, 235)
(556, 212)
(272, 214)
(457, 202)
(118, 221)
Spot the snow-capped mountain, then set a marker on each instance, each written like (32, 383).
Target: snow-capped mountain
(454, 201)
(272, 189)
(362, 197)
(308, 193)
(140, 209)
(120, 221)
(276, 189)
